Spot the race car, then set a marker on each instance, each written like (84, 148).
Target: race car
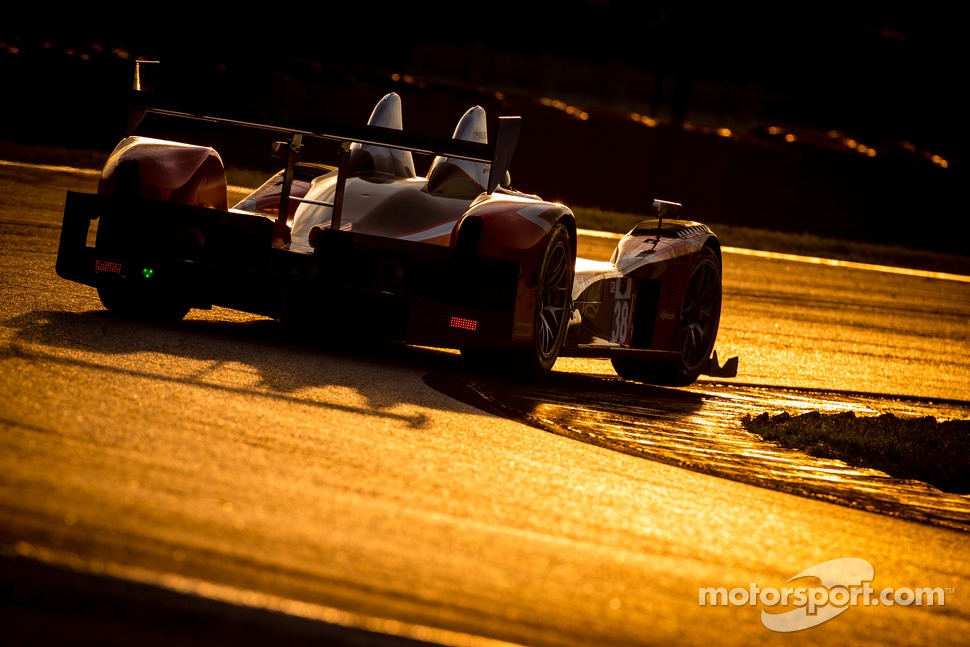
(368, 248)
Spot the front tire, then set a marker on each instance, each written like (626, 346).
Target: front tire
(697, 324)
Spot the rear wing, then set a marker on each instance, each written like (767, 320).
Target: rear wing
(145, 99)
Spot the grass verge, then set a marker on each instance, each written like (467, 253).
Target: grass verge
(924, 449)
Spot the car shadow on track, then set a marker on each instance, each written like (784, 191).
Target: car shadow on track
(287, 366)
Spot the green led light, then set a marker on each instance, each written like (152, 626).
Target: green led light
(148, 272)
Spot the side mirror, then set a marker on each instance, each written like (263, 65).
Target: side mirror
(661, 208)
(664, 209)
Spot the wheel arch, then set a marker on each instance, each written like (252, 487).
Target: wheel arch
(715, 244)
(513, 230)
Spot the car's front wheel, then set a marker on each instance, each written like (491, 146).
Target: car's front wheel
(697, 324)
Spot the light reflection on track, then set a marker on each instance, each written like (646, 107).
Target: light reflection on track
(700, 428)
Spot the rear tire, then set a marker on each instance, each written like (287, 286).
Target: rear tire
(697, 324)
(124, 299)
(553, 302)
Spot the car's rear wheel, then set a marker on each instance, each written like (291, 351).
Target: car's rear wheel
(553, 302)
(126, 299)
(697, 325)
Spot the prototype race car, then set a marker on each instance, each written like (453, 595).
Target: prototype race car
(455, 258)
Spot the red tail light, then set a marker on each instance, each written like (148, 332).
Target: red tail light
(463, 324)
(107, 266)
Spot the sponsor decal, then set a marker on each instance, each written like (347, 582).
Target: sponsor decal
(522, 330)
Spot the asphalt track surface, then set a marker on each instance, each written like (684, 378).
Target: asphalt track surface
(213, 483)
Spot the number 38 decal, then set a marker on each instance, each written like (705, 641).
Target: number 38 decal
(622, 289)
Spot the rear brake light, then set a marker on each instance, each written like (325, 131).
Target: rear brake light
(463, 324)
(107, 266)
